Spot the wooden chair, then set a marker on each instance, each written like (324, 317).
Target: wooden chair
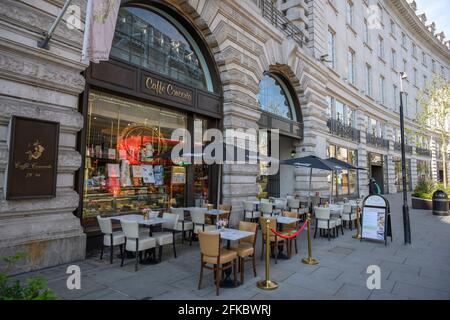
(135, 242)
(324, 221)
(211, 253)
(291, 228)
(247, 247)
(228, 208)
(250, 213)
(110, 238)
(273, 238)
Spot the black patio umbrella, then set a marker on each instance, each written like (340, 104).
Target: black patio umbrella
(345, 166)
(311, 162)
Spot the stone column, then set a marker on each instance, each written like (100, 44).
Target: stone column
(41, 84)
(362, 156)
(391, 164)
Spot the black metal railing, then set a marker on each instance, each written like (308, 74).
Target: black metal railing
(342, 130)
(398, 147)
(279, 20)
(423, 152)
(377, 141)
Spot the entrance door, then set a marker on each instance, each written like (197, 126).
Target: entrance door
(378, 175)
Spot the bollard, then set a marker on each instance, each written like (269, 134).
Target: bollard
(267, 284)
(358, 235)
(310, 260)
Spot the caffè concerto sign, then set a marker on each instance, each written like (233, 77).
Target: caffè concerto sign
(162, 88)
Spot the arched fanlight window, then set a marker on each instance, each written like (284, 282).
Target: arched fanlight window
(274, 97)
(153, 40)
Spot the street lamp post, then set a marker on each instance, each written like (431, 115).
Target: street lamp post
(406, 222)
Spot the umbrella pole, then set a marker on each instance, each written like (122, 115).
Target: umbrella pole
(309, 191)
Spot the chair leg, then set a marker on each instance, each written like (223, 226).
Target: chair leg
(342, 230)
(241, 270)
(217, 271)
(201, 276)
(275, 249)
(192, 238)
(295, 243)
(329, 235)
(123, 258)
(235, 273)
(111, 253)
(160, 253)
(315, 230)
(137, 261)
(351, 225)
(121, 250)
(254, 265)
(174, 247)
(101, 253)
(262, 248)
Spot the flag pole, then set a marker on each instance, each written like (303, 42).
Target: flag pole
(43, 43)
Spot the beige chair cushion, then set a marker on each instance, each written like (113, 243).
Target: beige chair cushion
(349, 217)
(226, 256)
(118, 239)
(323, 224)
(188, 226)
(250, 215)
(199, 228)
(163, 238)
(244, 250)
(145, 243)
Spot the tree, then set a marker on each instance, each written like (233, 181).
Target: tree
(435, 115)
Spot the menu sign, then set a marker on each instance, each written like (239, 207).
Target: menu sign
(33, 159)
(376, 219)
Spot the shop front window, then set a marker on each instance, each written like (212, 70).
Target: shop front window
(274, 97)
(156, 42)
(128, 157)
(399, 174)
(424, 169)
(345, 181)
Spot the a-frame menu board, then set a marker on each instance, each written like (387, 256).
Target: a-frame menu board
(376, 219)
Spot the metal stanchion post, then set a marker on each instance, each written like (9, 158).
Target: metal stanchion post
(358, 235)
(267, 284)
(310, 260)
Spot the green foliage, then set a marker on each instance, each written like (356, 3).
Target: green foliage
(34, 289)
(441, 186)
(426, 187)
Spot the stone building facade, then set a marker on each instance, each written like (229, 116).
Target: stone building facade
(247, 39)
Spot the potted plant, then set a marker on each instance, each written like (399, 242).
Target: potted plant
(423, 194)
(222, 224)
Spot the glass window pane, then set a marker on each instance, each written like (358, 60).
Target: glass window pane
(147, 39)
(273, 98)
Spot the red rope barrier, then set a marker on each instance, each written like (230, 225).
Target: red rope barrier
(292, 235)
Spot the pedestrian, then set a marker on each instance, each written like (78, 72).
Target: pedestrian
(372, 187)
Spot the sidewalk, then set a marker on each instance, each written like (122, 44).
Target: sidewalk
(419, 271)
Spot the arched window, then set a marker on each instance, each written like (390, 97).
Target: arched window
(153, 40)
(274, 97)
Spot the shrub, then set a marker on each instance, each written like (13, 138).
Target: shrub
(424, 186)
(32, 290)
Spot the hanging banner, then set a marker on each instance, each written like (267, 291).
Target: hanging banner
(101, 18)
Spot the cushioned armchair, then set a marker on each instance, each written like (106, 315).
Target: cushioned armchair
(110, 238)
(136, 242)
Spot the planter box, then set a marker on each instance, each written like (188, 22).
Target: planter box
(422, 204)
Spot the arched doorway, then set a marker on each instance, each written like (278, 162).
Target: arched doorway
(161, 77)
(280, 110)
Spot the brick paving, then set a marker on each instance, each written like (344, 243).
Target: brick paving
(419, 271)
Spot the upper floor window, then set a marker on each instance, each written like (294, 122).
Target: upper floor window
(403, 39)
(424, 58)
(350, 13)
(368, 80)
(341, 112)
(382, 90)
(153, 40)
(433, 65)
(414, 50)
(351, 66)
(393, 28)
(394, 59)
(332, 48)
(366, 32)
(274, 97)
(380, 47)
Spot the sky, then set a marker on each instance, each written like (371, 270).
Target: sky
(437, 11)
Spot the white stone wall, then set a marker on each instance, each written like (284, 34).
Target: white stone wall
(41, 84)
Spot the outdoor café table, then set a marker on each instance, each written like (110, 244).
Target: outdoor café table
(282, 221)
(232, 235)
(146, 223)
(215, 213)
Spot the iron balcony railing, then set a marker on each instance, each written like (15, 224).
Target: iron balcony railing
(279, 20)
(423, 152)
(377, 141)
(398, 147)
(342, 130)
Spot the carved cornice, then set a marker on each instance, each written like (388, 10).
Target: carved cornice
(418, 27)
